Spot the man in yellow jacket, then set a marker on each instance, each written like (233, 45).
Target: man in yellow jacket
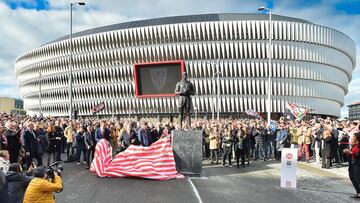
(41, 189)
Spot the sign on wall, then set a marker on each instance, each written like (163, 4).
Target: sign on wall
(157, 78)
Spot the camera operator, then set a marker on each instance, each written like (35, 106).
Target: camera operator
(17, 182)
(41, 189)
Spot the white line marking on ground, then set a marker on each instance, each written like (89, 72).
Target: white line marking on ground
(195, 191)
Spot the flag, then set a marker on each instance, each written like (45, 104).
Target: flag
(298, 111)
(98, 107)
(154, 162)
(253, 113)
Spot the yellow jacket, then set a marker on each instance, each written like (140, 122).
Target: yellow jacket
(69, 134)
(41, 190)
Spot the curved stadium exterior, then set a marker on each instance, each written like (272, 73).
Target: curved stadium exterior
(312, 65)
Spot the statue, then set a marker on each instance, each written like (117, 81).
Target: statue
(184, 89)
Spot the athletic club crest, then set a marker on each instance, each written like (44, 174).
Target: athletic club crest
(158, 77)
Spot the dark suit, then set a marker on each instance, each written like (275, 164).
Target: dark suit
(30, 146)
(99, 134)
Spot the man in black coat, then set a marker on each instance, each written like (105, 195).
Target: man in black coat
(59, 134)
(30, 144)
(17, 183)
(13, 141)
(259, 133)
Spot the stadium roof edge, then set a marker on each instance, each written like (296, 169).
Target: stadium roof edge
(179, 19)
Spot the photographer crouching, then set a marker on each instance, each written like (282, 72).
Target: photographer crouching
(46, 182)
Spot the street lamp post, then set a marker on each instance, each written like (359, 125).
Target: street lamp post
(269, 50)
(216, 73)
(40, 110)
(115, 63)
(218, 92)
(195, 111)
(71, 59)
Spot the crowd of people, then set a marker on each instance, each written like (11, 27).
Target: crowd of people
(26, 141)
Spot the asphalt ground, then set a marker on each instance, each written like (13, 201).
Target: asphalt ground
(259, 182)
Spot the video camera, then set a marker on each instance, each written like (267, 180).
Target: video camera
(54, 167)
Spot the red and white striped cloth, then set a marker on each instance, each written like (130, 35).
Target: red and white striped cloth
(154, 162)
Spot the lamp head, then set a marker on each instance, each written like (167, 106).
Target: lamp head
(81, 3)
(261, 8)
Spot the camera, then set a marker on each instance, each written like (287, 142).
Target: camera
(54, 167)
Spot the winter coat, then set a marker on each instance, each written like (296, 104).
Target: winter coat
(89, 142)
(58, 133)
(214, 140)
(295, 134)
(13, 140)
(227, 141)
(42, 143)
(68, 132)
(305, 137)
(42, 190)
(281, 139)
(144, 137)
(17, 184)
(4, 197)
(30, 142)
(326, 147)
(4, 165)
(51, 142)
(80, 140)
(259, 135)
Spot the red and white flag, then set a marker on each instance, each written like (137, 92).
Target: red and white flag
(298, 111)
(98, 107)
(154, 162)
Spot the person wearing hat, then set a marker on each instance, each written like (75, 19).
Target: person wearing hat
(354, 166)
(41, 189)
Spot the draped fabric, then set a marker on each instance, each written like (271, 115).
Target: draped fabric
(154, 162)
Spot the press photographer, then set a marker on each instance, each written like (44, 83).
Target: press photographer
(41, 188)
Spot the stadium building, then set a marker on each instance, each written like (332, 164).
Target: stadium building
(312, 66)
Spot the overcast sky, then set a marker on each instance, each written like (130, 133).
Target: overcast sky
(26, 24)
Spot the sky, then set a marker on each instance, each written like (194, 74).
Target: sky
(27, 24)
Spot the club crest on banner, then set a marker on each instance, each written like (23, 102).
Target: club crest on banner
(158, 77)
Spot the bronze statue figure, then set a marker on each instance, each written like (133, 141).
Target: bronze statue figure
(184, 89)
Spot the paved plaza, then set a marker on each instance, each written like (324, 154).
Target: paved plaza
(259, 182)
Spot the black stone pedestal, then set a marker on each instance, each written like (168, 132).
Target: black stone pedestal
(187, 147)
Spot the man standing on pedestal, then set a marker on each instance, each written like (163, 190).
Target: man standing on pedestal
(184, 89)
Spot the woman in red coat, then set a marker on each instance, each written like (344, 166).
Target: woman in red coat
(354, 166)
